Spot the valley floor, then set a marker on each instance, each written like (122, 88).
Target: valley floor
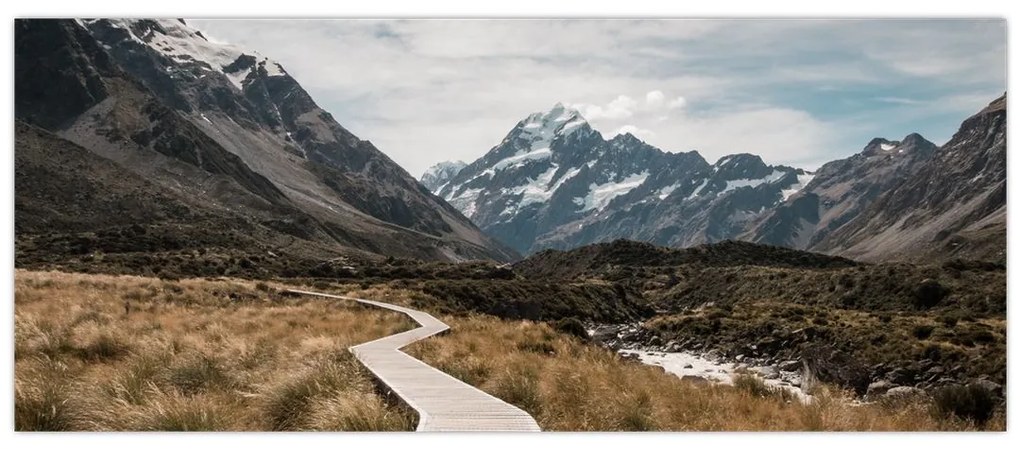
(99, 352)
(569, 384)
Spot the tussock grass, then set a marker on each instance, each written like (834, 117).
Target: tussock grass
(570, 385)
(98, 352)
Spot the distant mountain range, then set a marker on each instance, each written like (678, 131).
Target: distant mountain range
(211, 144)
(554, 182)
(141, 136)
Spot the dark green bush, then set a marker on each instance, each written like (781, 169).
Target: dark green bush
(971, 402)
(571, 326)
(929, 294)
(923, 331)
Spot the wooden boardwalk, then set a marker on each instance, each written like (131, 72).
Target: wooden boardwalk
(443, 403)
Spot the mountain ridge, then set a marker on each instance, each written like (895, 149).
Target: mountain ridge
(243, 136)
(541, 187)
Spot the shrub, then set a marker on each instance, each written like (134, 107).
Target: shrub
(923, 331)
(196, 374)
(949, 319)
(929, 294)
(520, 386)
(44, 406)
(971, 402)
(287, 405)
(104, 346)
(572, 326)
(174, 413)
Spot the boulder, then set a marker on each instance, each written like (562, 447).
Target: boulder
(900, 376)
(903, 392)
(768, 372)
(604, 333)
(790, 365)
(876, 389)
(688, 366)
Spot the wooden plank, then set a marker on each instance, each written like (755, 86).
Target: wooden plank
(443, 402)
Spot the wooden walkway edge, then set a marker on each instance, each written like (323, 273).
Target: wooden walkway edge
(443, 402)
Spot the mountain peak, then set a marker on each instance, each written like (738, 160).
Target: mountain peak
(186, 47)
(911, 142)
(558, 113)
(436, 176)
(626, 138)
(916, 140)
(540, 128)
(879, 145)
(738, 159)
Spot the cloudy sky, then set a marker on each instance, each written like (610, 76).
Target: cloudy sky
(796, 92)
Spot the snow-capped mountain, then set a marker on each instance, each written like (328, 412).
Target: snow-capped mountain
(436, 176)
(554, 182)
(230, 130)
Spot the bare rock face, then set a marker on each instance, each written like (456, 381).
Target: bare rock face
(840, 191)
(952, 206)
(232, 130)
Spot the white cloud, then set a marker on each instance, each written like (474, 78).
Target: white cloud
(428, 90)
(779, 135)
(677, 103)
(631, 129)
(654, 98)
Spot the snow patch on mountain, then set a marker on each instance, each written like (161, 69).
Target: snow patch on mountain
(599, 195)
(698, 190)
(535, 190)
(523, 158)
(666, 191)
(185, 45)
(752, 183)
(273, 68)
(466, 201)
(802, 180)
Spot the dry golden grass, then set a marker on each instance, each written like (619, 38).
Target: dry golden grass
(96, 352)
(570, 385)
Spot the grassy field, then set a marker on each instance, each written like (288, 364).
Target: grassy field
(98, 352)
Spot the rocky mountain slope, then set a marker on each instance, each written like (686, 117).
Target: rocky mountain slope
(554, 182)
(840, 191)
(228, 132)
(953, 205)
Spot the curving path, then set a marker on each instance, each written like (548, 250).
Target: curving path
(443, 403)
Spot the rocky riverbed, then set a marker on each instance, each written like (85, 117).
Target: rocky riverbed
(700, 368)
(694, 361)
